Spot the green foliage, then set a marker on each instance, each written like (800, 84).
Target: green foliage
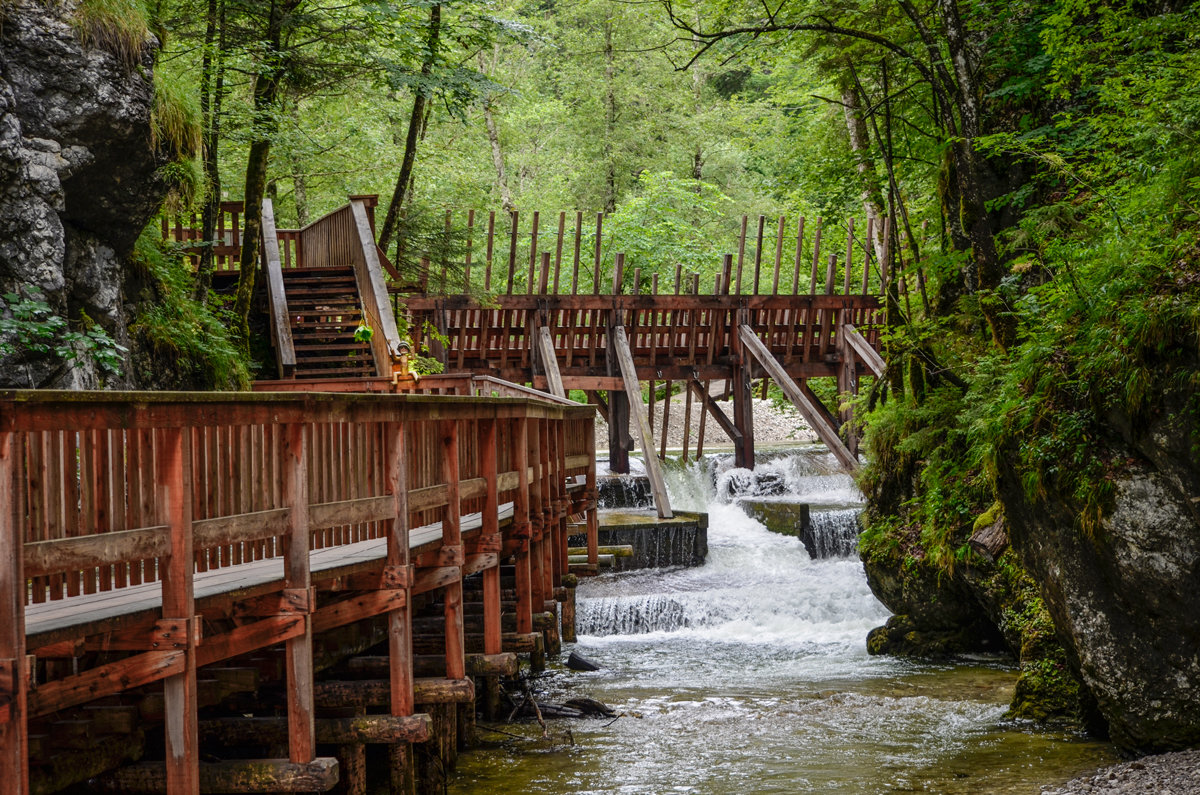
(175, 117)
(119, 26)
(670, 221)
(174, 327)
(28, 324)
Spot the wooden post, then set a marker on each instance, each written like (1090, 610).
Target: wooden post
(596, 263)
(743, 399)
(302, 744)
(533, 241)
(521, 526)
(174, 497)
(512, 252)
(593, 519)
(491, 239)
(490, 530)
(400, 671)
(452, 541)
(14, 733)
(653, 468)
(740, 257)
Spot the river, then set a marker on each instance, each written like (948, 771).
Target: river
(750, 674)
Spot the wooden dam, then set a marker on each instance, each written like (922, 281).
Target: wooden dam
(284, 590)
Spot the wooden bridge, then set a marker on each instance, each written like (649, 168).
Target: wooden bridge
(524, 313)
(217, 565)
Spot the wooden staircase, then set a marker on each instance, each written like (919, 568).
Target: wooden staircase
(333, 285)
(324, 310)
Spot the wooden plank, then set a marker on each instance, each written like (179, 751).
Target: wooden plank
(653, 467)
(533, 252)
(864, 350)
(810, 413)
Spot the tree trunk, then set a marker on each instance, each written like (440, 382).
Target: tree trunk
(610, 120)
(266, 92)
(506, 201)
(212, 89)
(860, 145)
(489, 122)
(420, 99)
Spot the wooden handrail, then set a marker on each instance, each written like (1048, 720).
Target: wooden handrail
(281, 327)
(372, 289)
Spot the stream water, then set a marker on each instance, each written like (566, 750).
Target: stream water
(750, 674)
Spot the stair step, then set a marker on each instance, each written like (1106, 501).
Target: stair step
(332, 270)
(348, 345)
(355, 371)
(335, 360)
(328, 324)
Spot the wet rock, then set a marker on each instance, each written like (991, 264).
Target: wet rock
(577, 662)
(78, 180)
(1123, 599)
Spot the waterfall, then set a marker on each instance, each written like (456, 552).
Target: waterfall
(757, 587)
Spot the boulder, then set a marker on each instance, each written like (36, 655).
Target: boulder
(78, 180)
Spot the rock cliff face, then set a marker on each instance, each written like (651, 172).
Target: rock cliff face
(77, 180)
(1124, 600)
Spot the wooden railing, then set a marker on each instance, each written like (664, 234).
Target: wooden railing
(280, 324)
(106, 495)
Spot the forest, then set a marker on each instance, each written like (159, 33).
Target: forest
(1036, 163)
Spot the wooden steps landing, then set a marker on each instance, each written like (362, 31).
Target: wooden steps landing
(324, 309)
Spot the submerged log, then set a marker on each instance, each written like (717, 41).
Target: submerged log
(369, 729)
(235, 775)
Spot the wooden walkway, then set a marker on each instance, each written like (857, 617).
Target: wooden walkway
(550, 313)
(164, 555)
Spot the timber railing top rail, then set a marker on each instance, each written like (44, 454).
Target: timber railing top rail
(35, 410)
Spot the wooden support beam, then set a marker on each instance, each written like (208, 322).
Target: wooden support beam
(863, 349)
(302, 746)
(377, 692)
(706, 401)
(14, 736)
(743, 397)
(366, 729)
(549, 362)
(653, 467)
(234, 775)
(819, 423)
(490, 529)
(173, 483)
(376, 667)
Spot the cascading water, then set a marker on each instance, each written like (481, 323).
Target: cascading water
(750, 674)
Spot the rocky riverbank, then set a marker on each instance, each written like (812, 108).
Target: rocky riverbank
(1166, 774)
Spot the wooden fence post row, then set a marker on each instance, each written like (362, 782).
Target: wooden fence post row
(126, 517)
(762, 275)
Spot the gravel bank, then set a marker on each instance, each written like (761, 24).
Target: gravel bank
(1166, 774)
